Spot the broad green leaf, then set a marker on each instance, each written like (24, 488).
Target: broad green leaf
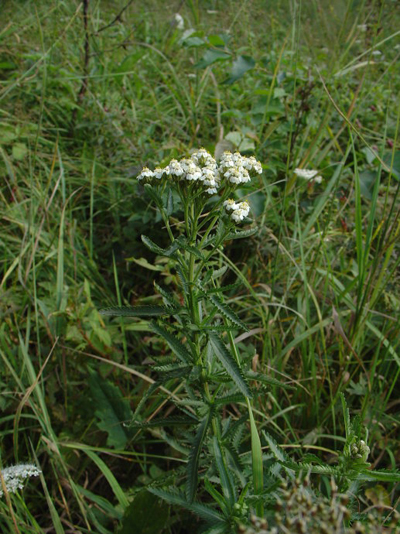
(174, 344)
(136, 311)
(210, 57)
(229, 364)
(146, 514)
(19, 151)
(226, 311)
(240, 66)
(112, 410)
(194, 456)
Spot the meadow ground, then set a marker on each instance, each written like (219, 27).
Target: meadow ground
(90, 93)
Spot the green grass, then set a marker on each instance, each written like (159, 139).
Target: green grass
(321, 283)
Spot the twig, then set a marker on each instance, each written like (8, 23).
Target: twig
(117, 18)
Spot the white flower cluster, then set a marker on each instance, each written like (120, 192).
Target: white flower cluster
(308, 175)
(239, 211)
(15, 475)
(202, 168)
(236, 168)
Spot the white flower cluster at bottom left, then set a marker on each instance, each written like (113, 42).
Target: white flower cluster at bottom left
(14, 476)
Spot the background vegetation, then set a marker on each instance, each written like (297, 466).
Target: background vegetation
(90, 92)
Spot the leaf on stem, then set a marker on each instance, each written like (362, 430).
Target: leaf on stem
(174, 344)
(229, 364)
(226, 311)
(137, 311)
(158, 250)
(240, 234)
(227, 483)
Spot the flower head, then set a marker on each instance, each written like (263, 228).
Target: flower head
(203, 170)
(15, 475)
(239, 211)
(145, 174)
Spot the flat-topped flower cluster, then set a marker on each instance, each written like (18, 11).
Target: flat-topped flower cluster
(203, 169)
(15, 475)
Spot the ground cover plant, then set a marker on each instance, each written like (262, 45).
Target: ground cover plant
(288, 419)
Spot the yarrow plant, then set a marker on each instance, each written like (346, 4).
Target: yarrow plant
(15, 476)
(199, 326)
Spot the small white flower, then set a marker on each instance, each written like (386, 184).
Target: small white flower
(308, 175)
(174, 168)
(203, 158)
(158, 173)
(146, 173)
(230, 204)
(239, 211)
(15, 475)
(179, 22)
(237, 175)
(362, 27)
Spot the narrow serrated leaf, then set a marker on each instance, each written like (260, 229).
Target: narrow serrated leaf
(265, 379)
(174, 344)
(240, 234)
(152, 246)
(167, 296)
(219, 272)
(136, 311)
(227, 483)
(228, 399)
(279, 454)
(222, 289)
(202, 510)
(194, 456)
(229, 364)
(226, 311)
(164, 422)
